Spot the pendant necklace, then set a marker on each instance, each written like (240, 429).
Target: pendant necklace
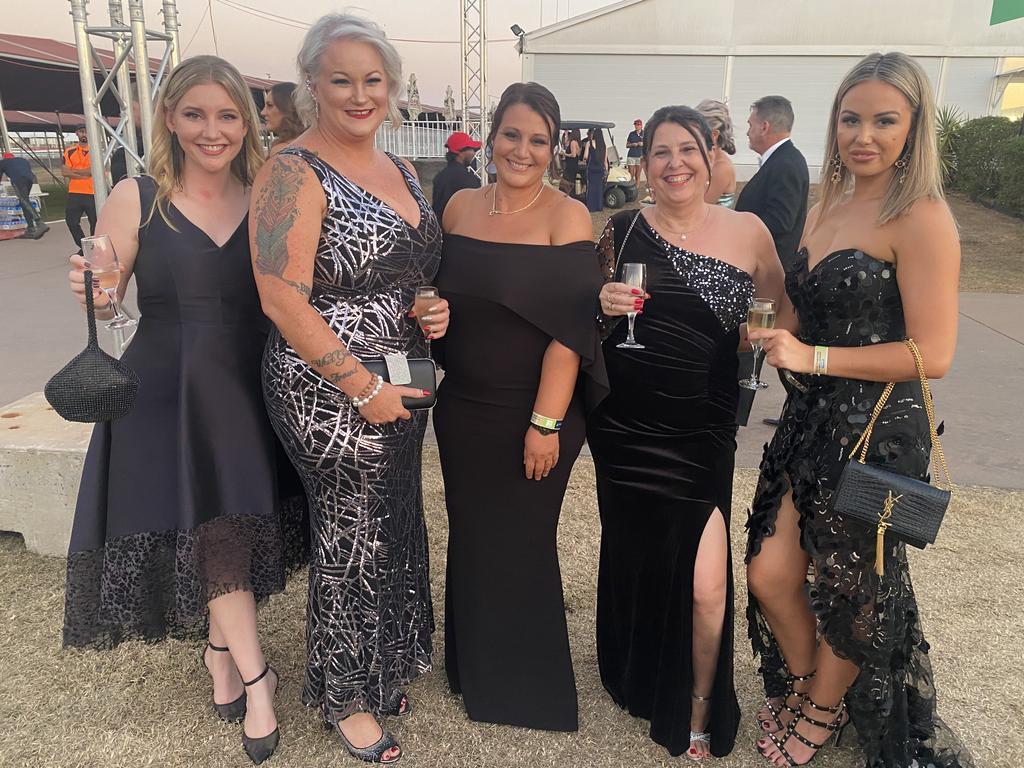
(682, 235)
(494, 199)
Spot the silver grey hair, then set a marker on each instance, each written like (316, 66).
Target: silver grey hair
(345, 26)
(777, 111)
(717, 115)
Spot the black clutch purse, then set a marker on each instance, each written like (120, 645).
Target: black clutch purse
(416, 372)
(909, 509)
(94, 386)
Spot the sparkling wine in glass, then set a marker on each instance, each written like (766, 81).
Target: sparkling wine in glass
(760, 315)
(426, 297)
(635, 276)
(101, 257)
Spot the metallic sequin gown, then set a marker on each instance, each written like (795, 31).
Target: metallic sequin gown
(851, 299)
(369, 616)
(664, 445)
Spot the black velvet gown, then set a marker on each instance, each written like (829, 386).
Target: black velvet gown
(506, 643)
(664, 444)
(851, 299)
(189, 496)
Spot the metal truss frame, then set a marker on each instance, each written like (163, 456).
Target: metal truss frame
(473, 50)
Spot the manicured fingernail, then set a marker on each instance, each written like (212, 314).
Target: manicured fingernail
(426, 329)
(427, 318)
(638, 303)
(426, 392)
(411, 314)
(635, 292)
(434, 308)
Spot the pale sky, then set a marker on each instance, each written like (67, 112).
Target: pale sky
(262, 47)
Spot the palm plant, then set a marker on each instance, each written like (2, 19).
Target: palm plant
(949, 121)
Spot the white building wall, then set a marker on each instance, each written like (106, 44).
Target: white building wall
(968, 85)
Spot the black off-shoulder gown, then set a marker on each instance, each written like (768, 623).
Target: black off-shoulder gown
(506, 643)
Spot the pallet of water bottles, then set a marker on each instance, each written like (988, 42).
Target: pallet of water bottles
(11, 215)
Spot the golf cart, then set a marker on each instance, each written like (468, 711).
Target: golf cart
(619, 187)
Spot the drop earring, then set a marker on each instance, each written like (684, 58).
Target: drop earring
(902, 164)
(837, 169)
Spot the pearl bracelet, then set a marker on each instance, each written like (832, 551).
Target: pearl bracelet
(360, 402)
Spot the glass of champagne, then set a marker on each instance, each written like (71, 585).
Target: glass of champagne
(101, 257)
(426, 297)
(760, 315)
(635, 276)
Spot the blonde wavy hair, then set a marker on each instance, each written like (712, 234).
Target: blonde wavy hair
(345, 26)
(166, 159)
(923, 178)
(717, 115)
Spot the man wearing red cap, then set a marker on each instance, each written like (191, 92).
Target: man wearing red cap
(19, 171)
(457, 174)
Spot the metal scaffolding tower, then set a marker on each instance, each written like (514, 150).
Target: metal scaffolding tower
(130, 43)
(473, 49)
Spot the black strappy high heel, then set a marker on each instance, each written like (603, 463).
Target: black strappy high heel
(776, 712)
(835, 727)
(260, 749)
(233, 711)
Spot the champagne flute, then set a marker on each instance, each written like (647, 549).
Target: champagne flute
(101, 257)
(635, 276)
(426, 297)
(760, 315)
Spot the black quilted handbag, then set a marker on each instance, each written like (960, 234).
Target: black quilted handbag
(94, 386)
(886, 501)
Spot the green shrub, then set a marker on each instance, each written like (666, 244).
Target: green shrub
(1010, 159)
(980, 140)
(949, 121)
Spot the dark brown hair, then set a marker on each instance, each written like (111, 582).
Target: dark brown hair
(687, 117)
(284, 100)
(536, 97)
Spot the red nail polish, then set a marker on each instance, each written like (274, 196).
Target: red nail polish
(635, 292)
(426, 393)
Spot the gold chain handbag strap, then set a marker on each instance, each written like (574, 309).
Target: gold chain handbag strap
(926, 394)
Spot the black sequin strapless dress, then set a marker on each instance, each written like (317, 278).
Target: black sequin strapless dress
(850, 299)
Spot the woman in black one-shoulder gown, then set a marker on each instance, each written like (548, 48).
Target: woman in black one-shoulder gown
(522, 289)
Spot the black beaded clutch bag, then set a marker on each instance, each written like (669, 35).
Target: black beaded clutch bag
(912, 510)
(94, 386)
(421, 374)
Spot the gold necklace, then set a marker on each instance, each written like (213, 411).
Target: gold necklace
(682, 235)
(494, 199)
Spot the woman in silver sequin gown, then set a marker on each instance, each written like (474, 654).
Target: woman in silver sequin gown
(342, 237)
(664, 443)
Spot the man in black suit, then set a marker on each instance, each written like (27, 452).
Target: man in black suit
(777, 194)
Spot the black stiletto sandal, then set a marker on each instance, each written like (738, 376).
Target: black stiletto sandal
(776, 712)
(234, 711)
(395, 708)
(260, 749)
(373, 753)
(835, 726)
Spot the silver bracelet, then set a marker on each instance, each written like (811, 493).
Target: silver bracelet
(359, 403)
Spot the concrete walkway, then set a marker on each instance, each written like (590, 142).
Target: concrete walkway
(978, 400)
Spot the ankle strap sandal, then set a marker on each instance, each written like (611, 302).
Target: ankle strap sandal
(233, 711)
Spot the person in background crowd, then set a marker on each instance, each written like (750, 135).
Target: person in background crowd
(342, 236)
(664, 442)
(571, 163)
(879, 264)
(280, 116)
(457, 174)
(77, 169)
(522, 367)
(19, 171)
(595, 158)
(635, 151)
(722, 189)
(188, 510)
(776, 194)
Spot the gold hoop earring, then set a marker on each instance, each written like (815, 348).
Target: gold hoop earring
(837, 169)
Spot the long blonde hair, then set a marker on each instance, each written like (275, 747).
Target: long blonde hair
(166, 159)
(922, 175)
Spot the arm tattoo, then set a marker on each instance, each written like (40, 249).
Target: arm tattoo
(337, 378)
(334, 357)
(275, 214)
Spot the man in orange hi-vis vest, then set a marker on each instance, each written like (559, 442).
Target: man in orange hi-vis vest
(78, 171)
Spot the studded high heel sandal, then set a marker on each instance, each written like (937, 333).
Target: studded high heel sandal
(835, 727)
(704, 737)
(776, 712)
(233, 711)
(260, 749)
(373, 753)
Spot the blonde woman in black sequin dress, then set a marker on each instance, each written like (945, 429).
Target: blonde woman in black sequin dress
(664, 443)
(879, 263)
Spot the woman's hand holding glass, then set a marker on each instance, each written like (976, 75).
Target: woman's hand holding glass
(434, 318)
(782, 350)
(76, 280)
(619, 299)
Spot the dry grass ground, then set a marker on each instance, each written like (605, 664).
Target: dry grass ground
(148, 705)
(992, 243)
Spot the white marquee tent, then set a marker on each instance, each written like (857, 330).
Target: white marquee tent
(625, 60)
